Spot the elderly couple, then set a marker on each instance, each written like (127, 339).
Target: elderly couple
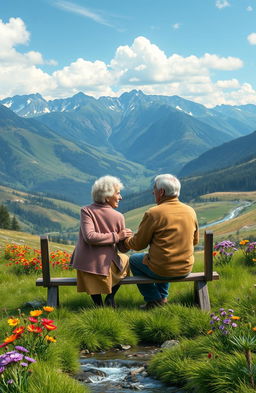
(170, 230)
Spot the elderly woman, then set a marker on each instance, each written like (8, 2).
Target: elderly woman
(99, 265)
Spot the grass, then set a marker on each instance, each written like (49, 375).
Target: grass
(80, 325)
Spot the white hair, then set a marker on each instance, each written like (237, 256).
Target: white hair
(105, 187)
(169, 183)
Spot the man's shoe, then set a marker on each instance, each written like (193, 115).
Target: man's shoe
(152, 304)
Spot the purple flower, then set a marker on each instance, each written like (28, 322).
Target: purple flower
(221, 327)
(22, 349)
(31, 360)
(234, 324)
(2, 369)
(24, 364)
(10, 381)
(226, 321)
(223, 313)
(16, 357)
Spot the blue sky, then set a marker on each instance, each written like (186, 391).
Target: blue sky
(202, 50)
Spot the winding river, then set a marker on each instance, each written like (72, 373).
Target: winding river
(233, 214)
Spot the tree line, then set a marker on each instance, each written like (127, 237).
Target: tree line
(6, 221)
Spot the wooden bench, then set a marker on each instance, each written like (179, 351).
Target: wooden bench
(201, 295)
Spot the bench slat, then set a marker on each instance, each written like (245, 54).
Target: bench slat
(69, 281)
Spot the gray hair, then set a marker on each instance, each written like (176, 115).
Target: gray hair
(169, 183)
(105, 187)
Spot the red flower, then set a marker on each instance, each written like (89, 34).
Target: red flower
(48, 326)
(45, 320)
(209, 355)
(32, 319)
(34, 329)
(19, 330)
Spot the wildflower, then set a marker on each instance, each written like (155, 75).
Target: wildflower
(45, 320)
(210, 331)
(36, 313)
(10, 339)
(234, 317)
(31, 360)
(254, 329)
(34, 329)
(243, 242)
(209, 355)
(20, 348)
(13, 321)
(19, 330)
(33, 319)
(48, 326)
(50, 339)
(48, 308)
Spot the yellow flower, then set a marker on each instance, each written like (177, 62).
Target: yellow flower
(50, 339)
(210, 332)
(243, 242)
(36, 313)
(235, 317)
(13, 321)
(48, 308)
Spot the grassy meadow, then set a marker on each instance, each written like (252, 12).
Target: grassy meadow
(202, 362)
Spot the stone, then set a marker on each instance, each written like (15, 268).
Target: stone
(169, 344)
(123, 347)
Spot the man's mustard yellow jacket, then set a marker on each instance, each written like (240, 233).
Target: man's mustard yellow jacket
(170, 229)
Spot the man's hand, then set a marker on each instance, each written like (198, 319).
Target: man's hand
(124, 233)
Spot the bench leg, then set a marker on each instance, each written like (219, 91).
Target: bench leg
(201, 295)
(53, 296)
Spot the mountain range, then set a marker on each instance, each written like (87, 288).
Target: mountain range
(60, 146)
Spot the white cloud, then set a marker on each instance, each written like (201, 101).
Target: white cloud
(249, 8)
(228, 84)
(252, 38)
(85, 12)
(222, 4)
(142, 65)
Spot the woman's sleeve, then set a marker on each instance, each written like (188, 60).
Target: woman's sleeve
(91, 236)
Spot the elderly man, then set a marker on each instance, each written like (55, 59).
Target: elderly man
(170, 229)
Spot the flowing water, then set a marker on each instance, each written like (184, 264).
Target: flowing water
(234, 213)
(122, 371)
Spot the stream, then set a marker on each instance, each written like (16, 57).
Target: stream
(234, 213)
(121, 371)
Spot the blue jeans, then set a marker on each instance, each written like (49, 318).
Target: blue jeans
(155, 291)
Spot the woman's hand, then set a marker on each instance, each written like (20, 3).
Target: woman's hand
(124, 233)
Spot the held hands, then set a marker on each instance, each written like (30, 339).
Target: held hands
(124, 233)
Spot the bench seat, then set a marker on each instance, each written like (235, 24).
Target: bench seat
(200, 279)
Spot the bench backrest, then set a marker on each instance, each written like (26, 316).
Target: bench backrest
(208, 258)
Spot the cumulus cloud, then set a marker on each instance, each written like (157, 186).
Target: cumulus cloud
(249, 8)
(222, 4)
(141, 65)
(252, 38)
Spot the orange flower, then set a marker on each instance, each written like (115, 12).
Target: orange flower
(210, 332)
(13, 321)
(48, 308)
(34, 329)
(214, 253)
(10, 339)
(19, 330)
(36, 313)
(254, 329)
(48, 326)
(50, 339)
(235, 317)
(243, 242)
